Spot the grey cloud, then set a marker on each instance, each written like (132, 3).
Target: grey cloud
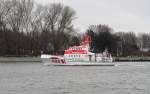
(121, 15)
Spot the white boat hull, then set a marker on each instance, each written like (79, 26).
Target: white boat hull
(48, 62)
(46, 59)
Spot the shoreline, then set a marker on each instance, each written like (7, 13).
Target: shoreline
(131, 59)
(20, 59)
(38, 59)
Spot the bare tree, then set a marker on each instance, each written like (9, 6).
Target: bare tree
(58, 21)
(18, 19)
(127, 43)
(144, 41)
(4, 9)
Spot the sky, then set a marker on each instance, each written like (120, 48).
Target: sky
(120, 15)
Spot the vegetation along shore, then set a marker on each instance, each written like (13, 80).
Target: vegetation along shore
(27, 28)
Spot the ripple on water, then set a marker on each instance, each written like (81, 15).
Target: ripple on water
(34, 78)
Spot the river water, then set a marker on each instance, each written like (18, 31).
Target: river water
(34, 78)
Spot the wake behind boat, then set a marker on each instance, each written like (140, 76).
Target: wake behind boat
(79, 55)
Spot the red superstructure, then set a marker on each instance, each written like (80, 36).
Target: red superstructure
(86, 40)
(79, 52)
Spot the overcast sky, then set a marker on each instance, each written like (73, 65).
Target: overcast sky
(121, 15)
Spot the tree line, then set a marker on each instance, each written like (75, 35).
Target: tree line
(118, 43)
(27, 28)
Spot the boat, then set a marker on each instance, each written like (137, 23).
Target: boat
(79, 56)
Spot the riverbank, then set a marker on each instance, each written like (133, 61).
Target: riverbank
(133, 59)
(20, 59)
(38, 59)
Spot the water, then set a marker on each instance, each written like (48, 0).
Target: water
(34, 78)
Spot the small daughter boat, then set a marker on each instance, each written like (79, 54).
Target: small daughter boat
(79, 56)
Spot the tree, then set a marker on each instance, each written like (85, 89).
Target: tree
(18, 19)
(58, 21)
(75, 40)
(102, 38)
(127, 43)
(145, 40)
(4, 9)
